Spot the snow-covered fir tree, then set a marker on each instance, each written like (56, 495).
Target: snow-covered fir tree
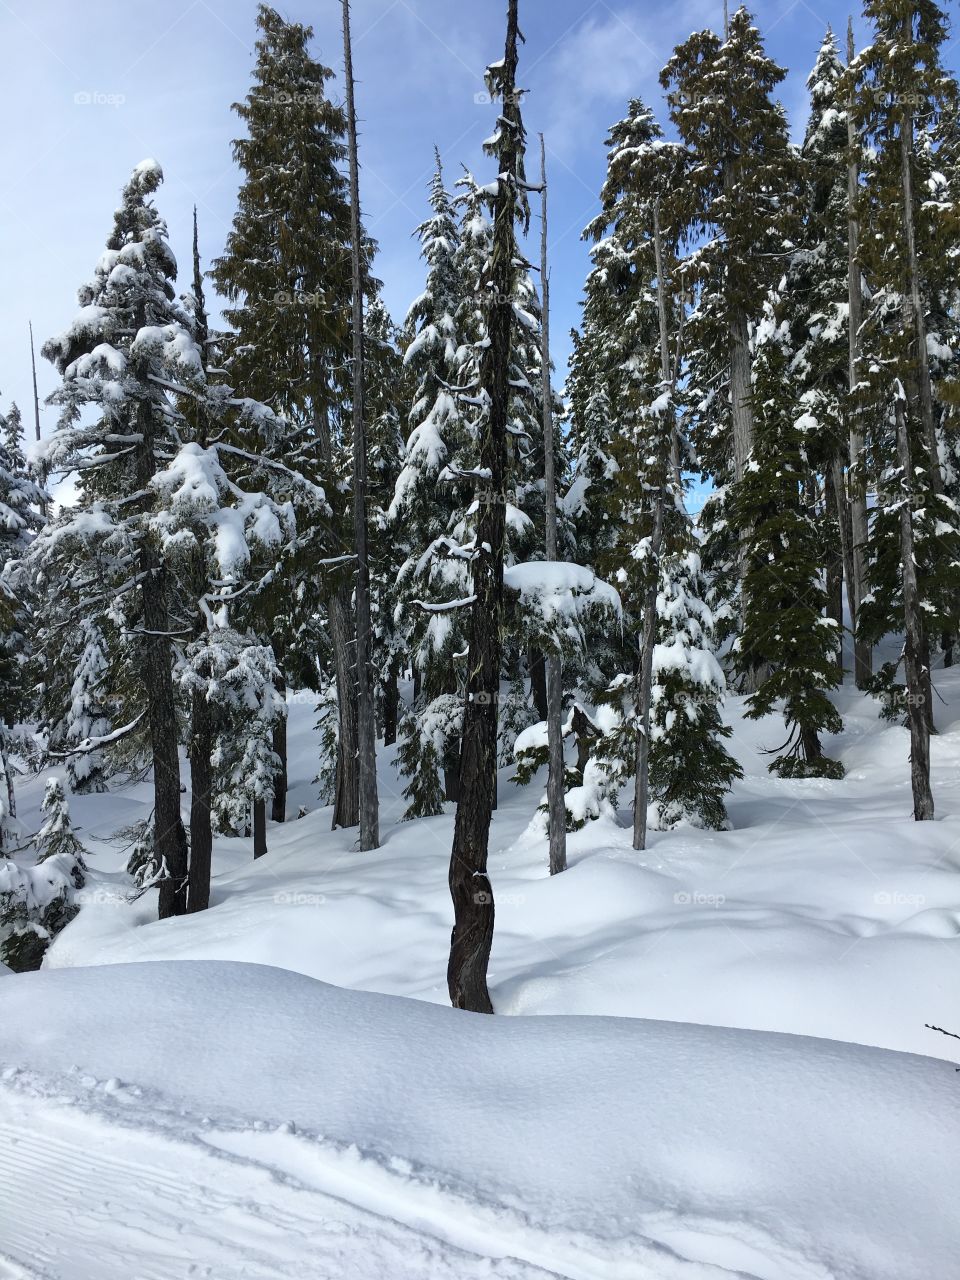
(730, 207)
(21, 500)
(38, 900)
(117, 431)
(901, 93)
(286, 276)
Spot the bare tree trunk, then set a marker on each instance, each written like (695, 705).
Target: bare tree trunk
(366, 714)
(741, 412)
(201, 788)
(863, 654)
(917, 674)
(259, 828)
(278, 806)
(391, 705)
(916, 314)
(556, 802)
(470, 886)
(8, 783)
(538, 682)
(36, 394)
(170, 839)
(346, 800)
(839, 567)
(641, 794)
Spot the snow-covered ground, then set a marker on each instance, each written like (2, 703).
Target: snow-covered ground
(199, 1119)
(235, 1120)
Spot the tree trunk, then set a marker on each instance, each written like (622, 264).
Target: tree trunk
(278, 806)
(170, 839)
(259, 828)
(391, 705)
(451, 781)
(918, 676)
(641, 793)
(741, 411)
(862, 652)
(366, 715)
(201, 788)
(586, 735)
(346, 801)
(921, 361)
(538, 682)
(553, 675)
(838, 567)
(8, 783)
(470, 886)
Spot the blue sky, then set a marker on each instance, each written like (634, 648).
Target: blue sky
(90, 88)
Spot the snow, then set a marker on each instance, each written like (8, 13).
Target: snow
(557, 584)
(663, 1126)
(368, 1136)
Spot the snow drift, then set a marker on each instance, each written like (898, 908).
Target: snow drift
(261, 1123)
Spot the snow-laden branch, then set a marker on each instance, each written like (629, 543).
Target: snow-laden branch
(95, 744)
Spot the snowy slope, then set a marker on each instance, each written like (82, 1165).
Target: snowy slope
(230, 1120)
(197, 1118)
(826, 911)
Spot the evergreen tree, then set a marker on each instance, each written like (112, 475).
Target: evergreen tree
(111, 360)
(731, 204)
(650, 544)
(786, 640)
(426, 506)
(37, 901)
(20, 501)
(900, 95)
(286, 274)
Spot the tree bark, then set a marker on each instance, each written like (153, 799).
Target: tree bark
(366, 715)
(201, 788)
(916, 311)
(8, 783)
(741, 412)
(259, 828)
(170, 839)
(862, 652)
(920, 371)
(470, 886)
(918, 675)
(391, 706)
(346, 801)
(838, 566)
(538, 682)
(278, 803)
(641, 793)
(553, 691)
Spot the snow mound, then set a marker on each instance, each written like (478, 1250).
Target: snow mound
(262, 1123)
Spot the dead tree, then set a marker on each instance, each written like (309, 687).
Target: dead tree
(366, 717)
(556, 806)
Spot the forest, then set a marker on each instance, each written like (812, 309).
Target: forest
(292, 578)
